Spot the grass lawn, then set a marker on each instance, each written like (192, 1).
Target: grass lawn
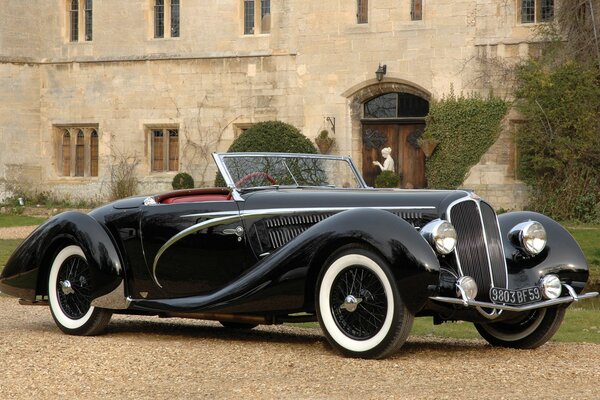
(588, 237)
(9, 220)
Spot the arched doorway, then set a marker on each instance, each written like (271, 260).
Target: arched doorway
(395, 120)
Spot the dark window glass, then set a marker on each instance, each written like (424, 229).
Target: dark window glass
(396, 105)
(248, 17)
(66, 154)
(94, 153)
(159, 19)
(157, 150)
(546, 10)
(265, 16)
(174, 18)
(416, 10)
(527, 11)
(382, 107)
(80, 155)
(173, 150)
(362, 12)
(410, 105)
(88, 19)
(74, 14)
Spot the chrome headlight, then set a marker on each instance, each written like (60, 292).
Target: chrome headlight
(551, 286)
(441, 235)
(529, 236)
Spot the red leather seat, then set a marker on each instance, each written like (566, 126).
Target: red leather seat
(194, 196)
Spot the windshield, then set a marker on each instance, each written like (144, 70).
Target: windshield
(250, 170)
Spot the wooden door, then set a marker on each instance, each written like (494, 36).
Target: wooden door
(409, 160)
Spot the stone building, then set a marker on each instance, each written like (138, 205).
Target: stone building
(163, 83)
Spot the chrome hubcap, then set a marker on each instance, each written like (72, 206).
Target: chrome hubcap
(350, 303)
(66, 287)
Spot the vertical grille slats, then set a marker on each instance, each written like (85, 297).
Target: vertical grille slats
(483, 261)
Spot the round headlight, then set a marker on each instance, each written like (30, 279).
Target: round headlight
(551, 286)
(468, 286)
(441, 235)
(530, 236)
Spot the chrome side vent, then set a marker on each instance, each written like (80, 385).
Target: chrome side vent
(283, 229)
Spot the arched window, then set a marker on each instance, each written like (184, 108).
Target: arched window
(80, 154)
(74, 20)
(94, 153)
(66, 153)
(396, 105)
(88, 19)
(159, 18)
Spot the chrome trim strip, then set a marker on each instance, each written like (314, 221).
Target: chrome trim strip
(528, 307)
(188, 231)
(288, 211)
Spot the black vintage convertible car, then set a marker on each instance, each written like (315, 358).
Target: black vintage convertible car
(301, 238)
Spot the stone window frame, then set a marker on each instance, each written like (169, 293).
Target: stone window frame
(256, 13)
(80, 20)
(77, 154)
(416, 10)
(362, 11)
(170, 151)
(166, 19)
(535, 11)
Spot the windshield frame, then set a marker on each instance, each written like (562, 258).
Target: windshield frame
(221, 165)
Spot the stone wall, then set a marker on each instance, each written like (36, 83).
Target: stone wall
(213, 80)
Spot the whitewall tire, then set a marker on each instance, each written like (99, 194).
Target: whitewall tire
(69, 282)
(359, 306)
(529, 331)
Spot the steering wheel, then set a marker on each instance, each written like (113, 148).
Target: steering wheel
(258, 174)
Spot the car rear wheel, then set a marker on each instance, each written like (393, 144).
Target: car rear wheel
(359, 306)
(528, 332)
(70, 297)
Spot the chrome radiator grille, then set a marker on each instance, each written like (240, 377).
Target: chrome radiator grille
(479, 252)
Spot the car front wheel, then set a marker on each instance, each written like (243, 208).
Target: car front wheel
(70, 297)
(531, 330)
(359, 306)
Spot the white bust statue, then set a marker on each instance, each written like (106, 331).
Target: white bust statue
(388, 163)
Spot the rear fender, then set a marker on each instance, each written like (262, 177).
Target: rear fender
(25, 274)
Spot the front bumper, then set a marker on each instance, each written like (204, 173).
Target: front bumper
(496, 309)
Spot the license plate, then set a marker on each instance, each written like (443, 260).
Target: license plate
(515, 296)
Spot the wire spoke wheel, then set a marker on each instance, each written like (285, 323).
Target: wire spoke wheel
(73, 288)
(359, 306)
(70, 286)
(358, 302)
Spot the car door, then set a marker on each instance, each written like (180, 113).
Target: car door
(193, 248)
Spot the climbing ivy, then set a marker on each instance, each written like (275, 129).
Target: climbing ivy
(465, 127)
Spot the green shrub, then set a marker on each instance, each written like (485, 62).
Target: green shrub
(465, 128)
(559, 142)
(270, 136)
(387, 179)
(182, 180)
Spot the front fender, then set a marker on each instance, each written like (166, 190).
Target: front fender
(27, 268)
(562, 255)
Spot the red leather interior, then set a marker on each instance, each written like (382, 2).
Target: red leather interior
(194, 196)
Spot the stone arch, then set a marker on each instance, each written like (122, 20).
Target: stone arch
(357, 95)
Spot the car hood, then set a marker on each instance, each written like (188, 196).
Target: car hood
(433, 200)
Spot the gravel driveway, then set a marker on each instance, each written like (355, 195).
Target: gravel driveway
(157, 358)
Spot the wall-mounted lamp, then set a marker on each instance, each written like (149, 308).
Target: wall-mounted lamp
(381, 72)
